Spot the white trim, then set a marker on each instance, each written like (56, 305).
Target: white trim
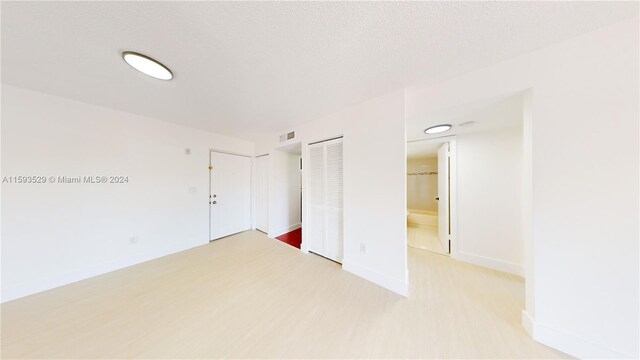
(398, 286)
(453, 196)
(527, 323)
(229, 153)
(282, 231)
(252, 196)
(491, 263)
(305, 197)
(568, 343)
(527, 198)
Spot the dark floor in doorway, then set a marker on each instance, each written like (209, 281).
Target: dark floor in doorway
(293, 238)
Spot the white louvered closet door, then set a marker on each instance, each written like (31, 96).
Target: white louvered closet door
(316, 199)
(326, 210)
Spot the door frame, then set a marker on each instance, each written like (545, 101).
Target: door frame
(254, 193)
(251, 190)
(453, 188)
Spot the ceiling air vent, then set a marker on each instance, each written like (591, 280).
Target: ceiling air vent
(287, 136)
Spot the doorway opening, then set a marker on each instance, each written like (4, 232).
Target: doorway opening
(229, 194)
(285, 194)
(487, 203)
(429, 195)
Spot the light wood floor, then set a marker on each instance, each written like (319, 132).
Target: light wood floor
(425, 237)
(248, 296)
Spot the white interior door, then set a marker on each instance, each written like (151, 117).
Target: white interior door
(262, 193)
(325, 196)
(230, 208)
(443, 196)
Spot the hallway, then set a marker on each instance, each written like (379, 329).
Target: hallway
(425, 238)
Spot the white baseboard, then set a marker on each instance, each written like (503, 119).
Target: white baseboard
(398, 286)
(527, 323)
(570, 344)
(282, 231)
(491, 263)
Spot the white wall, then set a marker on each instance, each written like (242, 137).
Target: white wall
(278, 192)
(374, 185)
(261, 192)
(490, 199)
(295, 186)
(53, 234)
(585, 156)
(422, 190)
(284, 192)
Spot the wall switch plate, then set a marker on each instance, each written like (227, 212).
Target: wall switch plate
(187, 151)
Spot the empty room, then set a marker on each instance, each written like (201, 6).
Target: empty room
(334, 180)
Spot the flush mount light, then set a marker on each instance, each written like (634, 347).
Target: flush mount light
(147, 65)
(437, 129)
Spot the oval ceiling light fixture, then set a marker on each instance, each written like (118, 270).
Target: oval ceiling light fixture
(437, 129)
(147, 65)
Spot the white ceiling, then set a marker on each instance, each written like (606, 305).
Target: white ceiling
(295, 148)
(486, 115)
(423, 149)
(248, 67)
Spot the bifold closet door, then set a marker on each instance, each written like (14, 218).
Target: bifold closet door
(325, 199)
(262, 193)
(316, 223)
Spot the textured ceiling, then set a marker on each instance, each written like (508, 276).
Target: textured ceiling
(423, 149)
(486, 115)
(251, 67)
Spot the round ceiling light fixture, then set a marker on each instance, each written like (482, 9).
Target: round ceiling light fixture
(147, 65)
(437, 129)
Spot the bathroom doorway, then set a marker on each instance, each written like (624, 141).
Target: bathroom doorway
(429, 188)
